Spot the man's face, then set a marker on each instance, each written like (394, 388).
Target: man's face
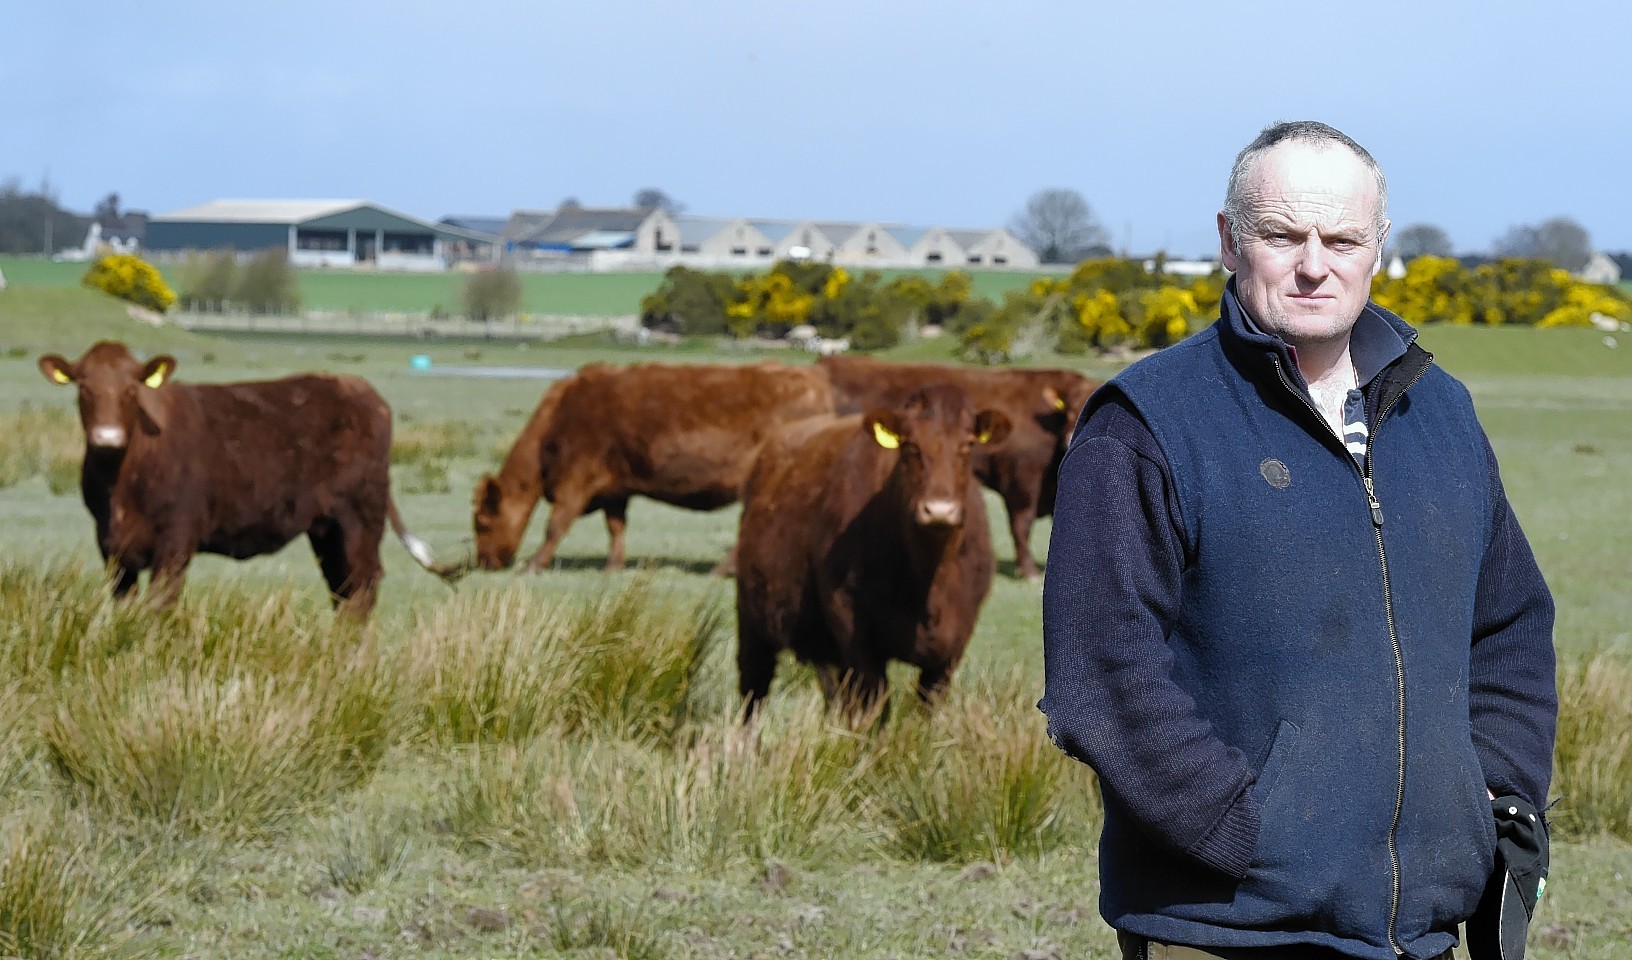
(1310, 243)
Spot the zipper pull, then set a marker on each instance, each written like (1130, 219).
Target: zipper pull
(1376, 508)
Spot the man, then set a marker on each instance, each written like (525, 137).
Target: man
(1290, 618)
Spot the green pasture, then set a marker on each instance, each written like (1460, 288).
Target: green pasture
(556, 294)
(401, 860)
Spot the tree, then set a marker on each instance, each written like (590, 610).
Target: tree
(1059, 225)
(31, 221)
(1564, 242)
(492, 294)
(1521, 242)
(1422, 240)
(107, 210)
(652, 198)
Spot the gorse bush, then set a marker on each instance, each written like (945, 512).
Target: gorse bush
(132, 279)
(1103, 304)
(871, 313)
(1530, 292)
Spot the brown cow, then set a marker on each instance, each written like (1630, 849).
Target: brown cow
(1042, 404)
(864, 539)
(685, 434)
(238, 469)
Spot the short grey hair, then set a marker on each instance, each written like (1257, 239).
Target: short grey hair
(1300, 131)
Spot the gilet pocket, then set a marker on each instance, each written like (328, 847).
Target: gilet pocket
(1281, 750)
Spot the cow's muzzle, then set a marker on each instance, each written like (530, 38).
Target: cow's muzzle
(939, 513)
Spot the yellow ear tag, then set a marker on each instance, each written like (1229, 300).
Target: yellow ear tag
(983, 436)
(885, 438)
(1059, 402)
(156, 378)
(61, 377)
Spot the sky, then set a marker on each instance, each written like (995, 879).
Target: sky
(1483, 116)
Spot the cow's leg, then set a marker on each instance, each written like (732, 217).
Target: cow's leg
(617, 512)
(728, 566)
(831, 679)
(932, 682)
(563, 512)
(866, 688)
(1022, 514)
(350, 561)
(756, 668)
(169, 570)
(124, 579)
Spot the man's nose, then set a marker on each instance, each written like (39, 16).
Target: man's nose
(1313, 259)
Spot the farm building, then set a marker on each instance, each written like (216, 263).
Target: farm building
(316, 233)
(663, 239)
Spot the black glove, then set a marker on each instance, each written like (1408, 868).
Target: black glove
(1497, 929)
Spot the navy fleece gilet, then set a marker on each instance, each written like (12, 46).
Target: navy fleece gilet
(1332, 650)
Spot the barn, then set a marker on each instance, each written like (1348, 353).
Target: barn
(315, 233)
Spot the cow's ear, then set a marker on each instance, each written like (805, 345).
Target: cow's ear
(991, 427)
(488, 494)
(56, 369)
(1052, 398)
(884, 427)
(158, 370)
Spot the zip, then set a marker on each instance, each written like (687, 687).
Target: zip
(1399, 663)
(1376, 509)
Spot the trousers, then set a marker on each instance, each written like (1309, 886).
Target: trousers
(1138, 948)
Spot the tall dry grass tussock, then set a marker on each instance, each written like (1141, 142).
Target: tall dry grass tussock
(729, 796)
(54, 902)
(232, 716)
(41, 441)
(1592, 763)
(977, 780)
(504, 665)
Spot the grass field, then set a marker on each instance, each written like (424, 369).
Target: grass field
(559, 294)
(244, 780)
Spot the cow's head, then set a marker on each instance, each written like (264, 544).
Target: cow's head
(935, 431)
(500, 518)
(117, 392)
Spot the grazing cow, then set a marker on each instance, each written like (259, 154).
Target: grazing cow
(1042, 404)
(864, 539)
(238, 469)
(685, 434)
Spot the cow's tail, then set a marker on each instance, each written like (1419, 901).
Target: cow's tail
(417, 548)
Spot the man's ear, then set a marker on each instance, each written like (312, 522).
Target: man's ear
(56, 369)
(158, 370)
(884, 427)
(991, 427)
(1382, 242)
(1226, 245)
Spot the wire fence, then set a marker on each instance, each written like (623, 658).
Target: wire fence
(388, 324)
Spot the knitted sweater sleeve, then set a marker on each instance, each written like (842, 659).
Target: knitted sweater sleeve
(1512, 691)
(1115, 561)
